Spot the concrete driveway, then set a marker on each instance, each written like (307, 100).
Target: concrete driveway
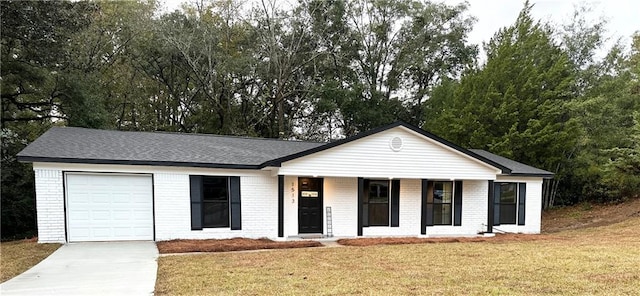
(101, 268)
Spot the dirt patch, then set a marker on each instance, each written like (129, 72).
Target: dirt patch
(499, 238)
(227, 245)
(588, 215)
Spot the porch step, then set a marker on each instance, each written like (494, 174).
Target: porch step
(311, 236)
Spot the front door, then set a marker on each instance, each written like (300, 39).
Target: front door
(310, 205)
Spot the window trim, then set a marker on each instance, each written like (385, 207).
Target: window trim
(431, 201)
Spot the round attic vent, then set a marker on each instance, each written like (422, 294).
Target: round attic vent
(396, 144)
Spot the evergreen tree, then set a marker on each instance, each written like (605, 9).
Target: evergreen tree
(516, 105)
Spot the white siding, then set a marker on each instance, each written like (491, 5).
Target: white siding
(372, 157)
(533, 206)
(50, 205)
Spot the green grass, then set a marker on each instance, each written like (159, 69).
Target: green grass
(574, 262)
(17, 257)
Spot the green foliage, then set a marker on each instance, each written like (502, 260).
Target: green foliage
(321, 70)
(34, 89)
(516, 105)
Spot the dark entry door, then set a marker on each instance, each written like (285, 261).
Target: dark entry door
(310, 205)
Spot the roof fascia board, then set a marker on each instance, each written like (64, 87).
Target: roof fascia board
(544, 176)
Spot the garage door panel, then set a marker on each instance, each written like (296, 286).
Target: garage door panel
(79, 215)
(98, 216)
(106, 207)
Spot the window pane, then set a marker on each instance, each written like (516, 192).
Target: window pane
(379, 192)
(379, 203)
(216, 214)
(507, 214)
(442, 192)
(215, 188)
(442, 214)
(508, 193)
(215, 202)
(310, 184)
(379, 214)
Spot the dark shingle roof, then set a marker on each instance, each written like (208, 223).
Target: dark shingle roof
(516, 168)
(81, 145)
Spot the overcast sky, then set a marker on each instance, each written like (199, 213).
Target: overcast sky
(623, 16)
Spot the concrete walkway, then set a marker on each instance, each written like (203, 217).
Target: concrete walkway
(104, 268)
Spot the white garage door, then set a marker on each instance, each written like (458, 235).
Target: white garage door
(109, 207)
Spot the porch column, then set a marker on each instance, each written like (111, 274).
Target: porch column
(490, 207)
(280, 205)
(360, 197)
(424, 213)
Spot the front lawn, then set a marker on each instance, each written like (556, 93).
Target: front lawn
(17, 257)
(601, 260)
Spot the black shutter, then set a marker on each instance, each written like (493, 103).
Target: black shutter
(496, 204)
(280, 206)
(234, 190)
(365, 203)
(195, 186)
(360, 205)
(490, 207)
(522, 194)
(429, 196)
(457, 203)
(395, 203)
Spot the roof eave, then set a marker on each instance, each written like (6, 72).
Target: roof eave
(136, 162)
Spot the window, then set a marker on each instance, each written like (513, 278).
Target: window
(508, 199)
(215, 202)
(440, 196)
(378, 203)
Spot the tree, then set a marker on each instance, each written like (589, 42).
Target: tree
(380, 59)
(516, 104)
(35, 89)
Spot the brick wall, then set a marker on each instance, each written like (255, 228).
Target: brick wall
(341, 194)
(410, 199)
(474, 212)
(259, 207)
(50, 206)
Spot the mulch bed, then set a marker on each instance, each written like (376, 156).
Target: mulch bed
(499, 238)
(228, 245)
